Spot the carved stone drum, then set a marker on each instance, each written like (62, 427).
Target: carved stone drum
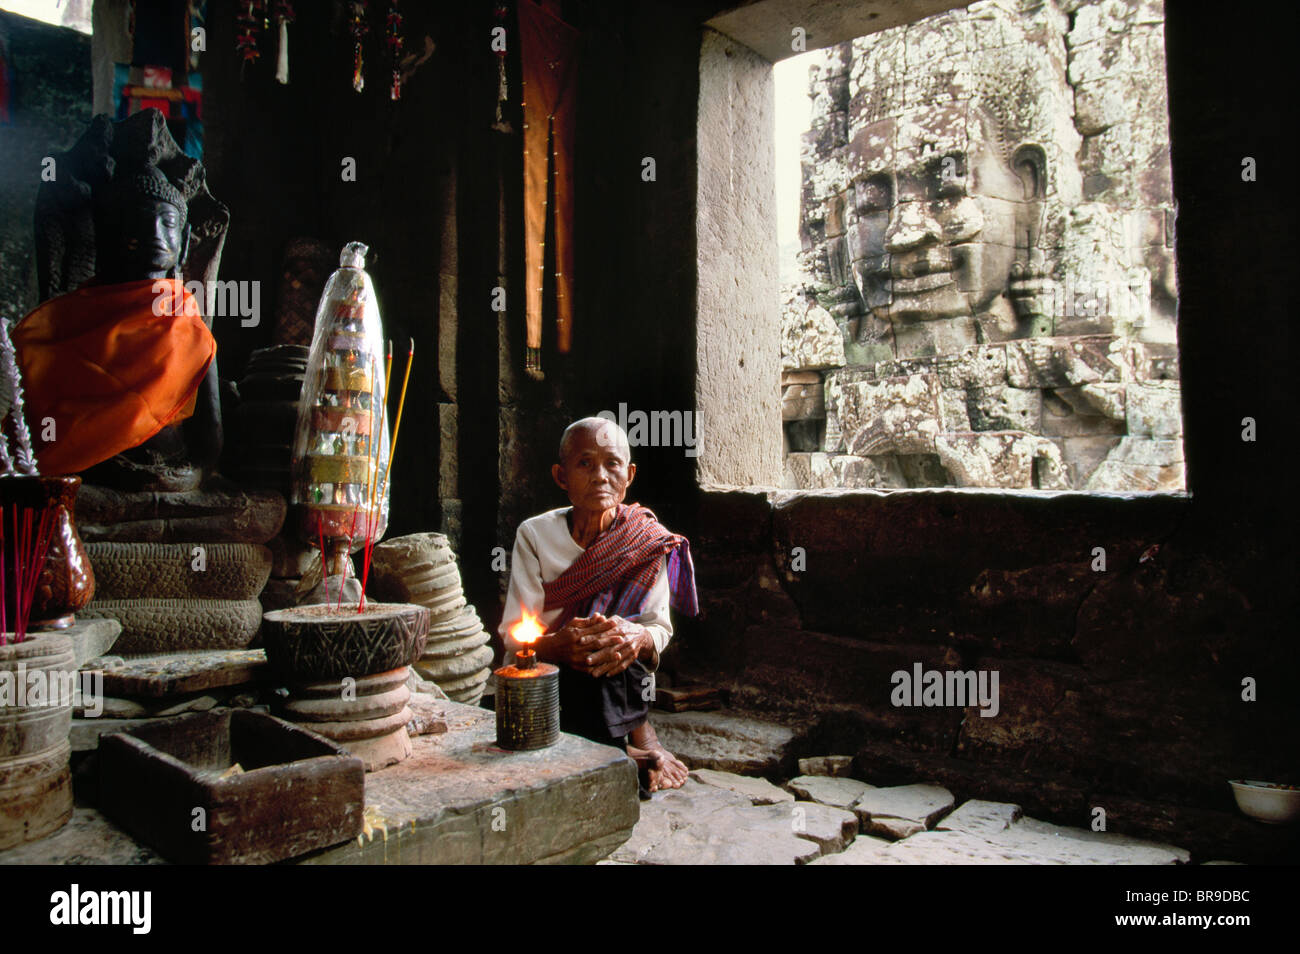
(347, 672)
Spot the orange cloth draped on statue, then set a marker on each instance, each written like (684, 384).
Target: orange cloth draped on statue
(112, 365)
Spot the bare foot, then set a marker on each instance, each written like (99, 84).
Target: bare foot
(664, 770)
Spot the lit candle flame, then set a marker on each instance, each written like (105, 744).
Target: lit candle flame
(527, 630)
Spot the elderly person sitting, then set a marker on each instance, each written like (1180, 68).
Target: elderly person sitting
(600, 576)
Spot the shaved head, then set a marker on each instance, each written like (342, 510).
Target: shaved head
(607, 433)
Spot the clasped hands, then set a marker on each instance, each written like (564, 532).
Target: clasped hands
(600, 645)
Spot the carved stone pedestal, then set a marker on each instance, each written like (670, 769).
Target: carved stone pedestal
(181, 571)
(367, 716)
(173, 597)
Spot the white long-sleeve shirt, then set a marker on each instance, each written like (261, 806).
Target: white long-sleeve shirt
(544, 548)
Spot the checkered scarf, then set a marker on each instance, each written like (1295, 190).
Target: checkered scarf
(615, 574)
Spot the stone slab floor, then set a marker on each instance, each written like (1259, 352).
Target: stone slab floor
(725, 818)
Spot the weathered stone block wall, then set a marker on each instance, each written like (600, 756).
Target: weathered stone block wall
(1090, 713)
(51, 106)
(987, 217)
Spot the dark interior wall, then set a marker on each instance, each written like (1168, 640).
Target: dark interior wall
(275, 156)
(633, 335)
(633, 340)
(51, 106)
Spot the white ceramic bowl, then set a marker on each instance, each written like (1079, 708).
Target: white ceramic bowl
(1267, 801)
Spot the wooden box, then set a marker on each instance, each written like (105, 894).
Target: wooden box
(169, 786)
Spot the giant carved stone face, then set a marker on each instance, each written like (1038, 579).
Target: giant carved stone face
(936, 215)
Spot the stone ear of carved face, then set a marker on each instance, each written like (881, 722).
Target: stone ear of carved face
(1030, 165)
(184, 253)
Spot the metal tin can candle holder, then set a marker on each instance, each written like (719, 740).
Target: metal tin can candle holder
(341, 442)
(528, 703)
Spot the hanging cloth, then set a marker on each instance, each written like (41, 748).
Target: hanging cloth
(112, 365)
(549, 56)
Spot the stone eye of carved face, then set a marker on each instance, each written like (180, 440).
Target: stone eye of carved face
(170, 216)
(875, 195)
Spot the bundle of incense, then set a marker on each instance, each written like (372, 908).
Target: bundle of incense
(31, 545)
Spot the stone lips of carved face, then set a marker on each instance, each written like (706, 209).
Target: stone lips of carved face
(934, 216)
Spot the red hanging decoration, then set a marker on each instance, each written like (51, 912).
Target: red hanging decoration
(249, 20)
(358, 28)
(395, 48)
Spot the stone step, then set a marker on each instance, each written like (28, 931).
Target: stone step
(727, 742)
(826, 790)
(705, 824)
(902, 810)
(759, 791)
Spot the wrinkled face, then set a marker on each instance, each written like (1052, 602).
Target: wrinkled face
(596, 471)
(935, 214)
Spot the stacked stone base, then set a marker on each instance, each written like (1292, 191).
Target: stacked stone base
(367, 716)
(422, 569)
(35, 779)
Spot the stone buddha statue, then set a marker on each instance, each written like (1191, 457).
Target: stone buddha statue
(119, 364)
(121, 367)
(142, 232)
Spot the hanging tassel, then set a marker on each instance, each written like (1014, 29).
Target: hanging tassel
(358, 28)
(198, 10)
(500, 125)
(249, 20)
(395, 49)
(284, 16)
(282, 62)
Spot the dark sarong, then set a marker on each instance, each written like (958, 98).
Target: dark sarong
(614, 577)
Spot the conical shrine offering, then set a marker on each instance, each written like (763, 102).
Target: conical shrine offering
(341, 445)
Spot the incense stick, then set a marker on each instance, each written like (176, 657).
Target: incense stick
(42, 541)
(31, 543)
(401, 403)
